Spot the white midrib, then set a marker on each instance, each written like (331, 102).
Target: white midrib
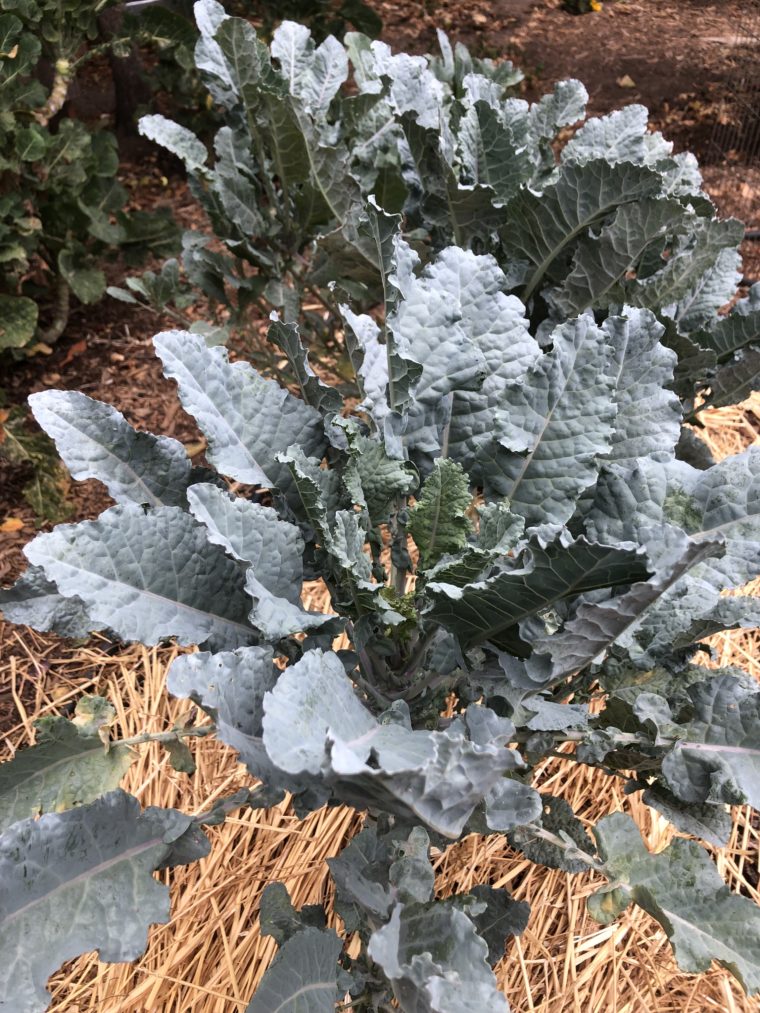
(152, 595)
(716, 747)
(96, 747)
(191, 383)
(109, 863)
(315, 986)
(151, 497)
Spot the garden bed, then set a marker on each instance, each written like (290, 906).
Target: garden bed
(209, 958)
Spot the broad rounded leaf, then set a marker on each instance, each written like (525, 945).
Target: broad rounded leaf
(717, 757)
(68, 766)
(78, 881)
(683, 890)
(436, 960)
(303, 977)
(314, 724)
(148, 575)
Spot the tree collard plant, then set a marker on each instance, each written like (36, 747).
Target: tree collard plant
(300, 148)
(60, 204)
(311, 133)
(510, 521)
(505, 524)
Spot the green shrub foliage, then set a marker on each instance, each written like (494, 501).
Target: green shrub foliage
(506, 506)
(61, 207)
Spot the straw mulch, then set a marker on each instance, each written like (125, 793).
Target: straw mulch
(209, 958)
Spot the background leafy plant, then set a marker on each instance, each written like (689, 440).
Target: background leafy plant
(506, 507)
(46, 481)
(61, 208)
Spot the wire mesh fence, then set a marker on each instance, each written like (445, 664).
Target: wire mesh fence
(735, 137)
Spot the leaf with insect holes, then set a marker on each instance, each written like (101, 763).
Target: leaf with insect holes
(68, 766)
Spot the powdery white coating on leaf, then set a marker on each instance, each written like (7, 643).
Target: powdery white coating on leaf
(717, 757)
(726, 499)
(490, 152)
(648, 419)
(414, 89)
(273, 548)
(558, 422)
(253, 534)
(693, 252)
(231, 686)
(621, 136)
(461, 326)
(471, 340)
(96, 441)
(326, 700)
(209, 16)
(313, 74)
(148, 575)
(436, 961)
(720, 502)
(315, 724)
(564, 105)
(543, 226)
(717, 286)
(689, 612)
(248, 420)
(602, 262)
(175, 138)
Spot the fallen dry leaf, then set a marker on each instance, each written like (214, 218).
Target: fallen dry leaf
(196, 447)
(11, 524)
(78, 348)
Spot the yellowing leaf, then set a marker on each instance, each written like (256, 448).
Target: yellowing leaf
(11, 524)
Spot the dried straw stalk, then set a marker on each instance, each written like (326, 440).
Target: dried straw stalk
(210, 956)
